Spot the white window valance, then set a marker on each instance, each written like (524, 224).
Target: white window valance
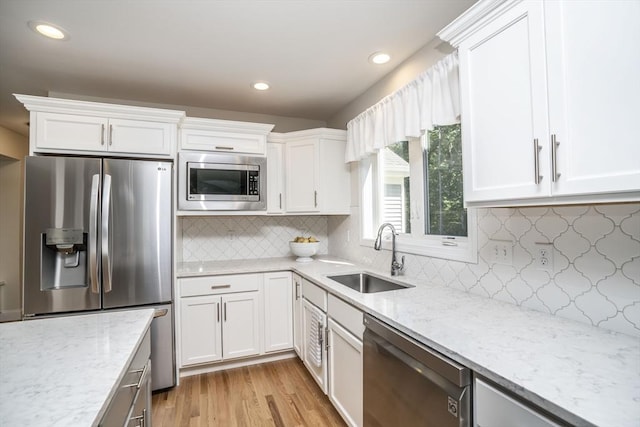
(429, 100)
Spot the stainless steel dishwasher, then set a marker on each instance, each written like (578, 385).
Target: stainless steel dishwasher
(407, 384)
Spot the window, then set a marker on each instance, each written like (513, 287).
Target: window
(446, 215)
(396, 198)
(416, 185)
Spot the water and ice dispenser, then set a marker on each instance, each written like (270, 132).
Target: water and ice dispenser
(64, 259)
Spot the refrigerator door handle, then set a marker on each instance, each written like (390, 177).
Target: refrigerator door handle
(93, 234)
(106, 257)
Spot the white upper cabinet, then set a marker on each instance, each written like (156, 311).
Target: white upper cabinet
(594, 96)
(224, 136)
(318, 179)
(504, 106)
(544, 119)
(67, 131)
(79, 127)
(140, 137)
(303, 170)
(275, 177)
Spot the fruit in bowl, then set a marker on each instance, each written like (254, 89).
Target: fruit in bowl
(304, 248)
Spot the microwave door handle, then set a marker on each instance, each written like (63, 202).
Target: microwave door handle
(106, 254)
(93, 233)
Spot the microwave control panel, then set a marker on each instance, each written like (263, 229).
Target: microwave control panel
(254, 183)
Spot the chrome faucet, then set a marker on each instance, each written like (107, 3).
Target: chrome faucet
(396, 267)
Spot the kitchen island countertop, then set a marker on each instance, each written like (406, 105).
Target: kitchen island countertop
(63, 371)
(586, 375)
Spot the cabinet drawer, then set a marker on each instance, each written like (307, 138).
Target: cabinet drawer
(194, 139)
(314, 294)
(136, 374)
(347, 315)
(213, 285)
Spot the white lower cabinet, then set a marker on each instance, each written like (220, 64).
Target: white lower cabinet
(219, 327)
(314, 322)
(332, 330)
(235, 316)
(219, 318)
(345, 373)
(278, 311)
(201, 334)
(240, 325)
(298, 342)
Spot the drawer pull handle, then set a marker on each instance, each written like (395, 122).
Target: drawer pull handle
(143, 374)
(220, 286)
(554, 158)
(536, 161)
(220, 147)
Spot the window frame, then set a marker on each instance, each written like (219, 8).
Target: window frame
(462, 249)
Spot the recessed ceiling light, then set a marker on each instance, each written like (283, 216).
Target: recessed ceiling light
(48, 30)
(260, 85)
(379, 58)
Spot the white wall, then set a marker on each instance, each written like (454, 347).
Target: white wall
(13, 148)
(405, 72)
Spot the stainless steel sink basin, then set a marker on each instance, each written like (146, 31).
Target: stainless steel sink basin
(367, 283)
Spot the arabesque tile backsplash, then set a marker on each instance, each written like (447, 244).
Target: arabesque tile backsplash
(596, 251)
(246, 237)
(596, 278)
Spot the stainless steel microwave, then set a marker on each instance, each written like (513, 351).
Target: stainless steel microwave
(221, 182)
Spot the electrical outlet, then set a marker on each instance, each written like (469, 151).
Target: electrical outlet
(231, 235)
(502, 252)
(544, 257)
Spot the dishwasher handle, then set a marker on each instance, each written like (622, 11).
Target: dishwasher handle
(389, 350)
(448, 369)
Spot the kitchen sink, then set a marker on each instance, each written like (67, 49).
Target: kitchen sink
(367, 283)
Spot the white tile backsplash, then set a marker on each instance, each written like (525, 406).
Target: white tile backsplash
(245, 237)
(596, 254)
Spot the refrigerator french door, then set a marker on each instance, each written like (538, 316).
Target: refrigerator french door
(98, 235)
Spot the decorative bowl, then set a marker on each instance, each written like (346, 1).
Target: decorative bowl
(304, 251)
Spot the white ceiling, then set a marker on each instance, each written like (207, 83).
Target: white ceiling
(205, 53)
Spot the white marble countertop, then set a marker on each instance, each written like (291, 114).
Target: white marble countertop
(63, 371)
(583, 374)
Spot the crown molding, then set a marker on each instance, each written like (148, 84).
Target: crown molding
(481, 13)
(89, 108)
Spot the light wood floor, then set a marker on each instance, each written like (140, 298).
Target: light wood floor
(272, 394)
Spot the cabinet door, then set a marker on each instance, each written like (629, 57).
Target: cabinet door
(240, 325)
(70, 132)
(298, 342)
(278, 311)
(311, 339)
(200, 337)
(503, 100)
(302, 176)
(275, 178)
(141, 137)
(594, 100)
(345, 373)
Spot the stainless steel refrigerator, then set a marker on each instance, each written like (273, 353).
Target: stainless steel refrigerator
(98, 235)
